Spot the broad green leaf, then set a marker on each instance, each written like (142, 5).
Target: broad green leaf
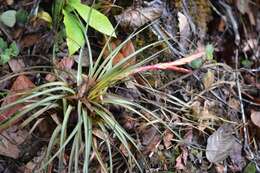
(3, 44)
(250, 168)
(22, 16)
(75, 37)
(247, 63)
(5, 56)
(209, 51)
(8, 18)
(73, 1)
(195, 64)
(14, 49)
(97, 20)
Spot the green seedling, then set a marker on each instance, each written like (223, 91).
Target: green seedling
(7, 52)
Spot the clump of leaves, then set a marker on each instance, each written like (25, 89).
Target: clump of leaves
(7, 51)
(197, 63)
(75, 14)
(89, 99)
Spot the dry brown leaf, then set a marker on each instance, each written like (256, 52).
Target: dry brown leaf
(181, 160)
(9, 2)
(65, 63)
(147, 135)
(255, 117)
(150, 138)
(167, 139)
(250, 44)
(222, 25)
(29, 40)
(16, 65)
(10, 140)
(84, 60)
(234, 103)
(126, 50)
(136, 17)
(220, 143)
(50, 78)
(185, 30)
(242, 6)
(236, 157)
(124, 150)
(21, 84)
(99, 133)
(208, 79)
(129, 122)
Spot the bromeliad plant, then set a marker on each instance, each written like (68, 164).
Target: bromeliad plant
(90, 99)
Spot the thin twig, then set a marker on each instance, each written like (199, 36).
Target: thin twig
(246, 141)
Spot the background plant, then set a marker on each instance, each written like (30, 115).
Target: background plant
(7, 51)
(75, 14)
(90, 99)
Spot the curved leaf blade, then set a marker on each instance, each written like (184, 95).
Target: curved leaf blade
(75, 37)
(97, 20)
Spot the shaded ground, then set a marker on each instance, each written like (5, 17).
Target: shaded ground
(216, 109)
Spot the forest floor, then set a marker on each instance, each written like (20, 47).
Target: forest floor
(174, 88)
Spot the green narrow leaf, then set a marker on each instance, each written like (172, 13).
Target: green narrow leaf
(75, 37)
(97, 20)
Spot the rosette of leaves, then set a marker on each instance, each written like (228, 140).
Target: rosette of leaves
(89, 98)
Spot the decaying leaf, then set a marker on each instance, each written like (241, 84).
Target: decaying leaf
(244, 7)
(126, 50)
(150, 138)
(21, 84)
(29, 40)
(208, 79)
(16, 65)
(84, 60)
(185, 31)
(124, 150)
(135, 18)
(255, 117)
(10, 140)
(220, 143)
(129, 122)
(236, 156)
(181, 160)
(64, 64)
(33, 165)
(234, 103)
(167, 139)
(203, 113)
